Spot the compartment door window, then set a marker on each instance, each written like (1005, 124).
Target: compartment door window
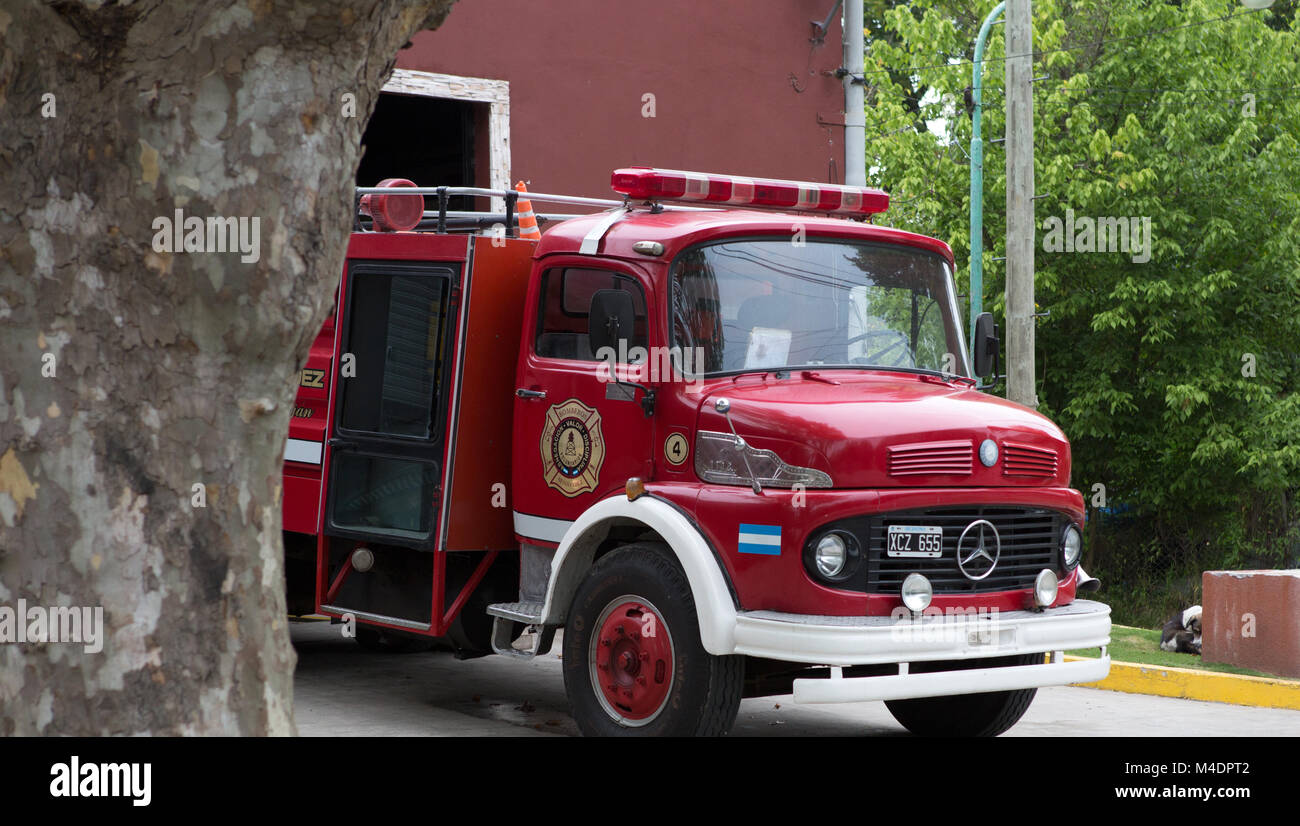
(387, 450)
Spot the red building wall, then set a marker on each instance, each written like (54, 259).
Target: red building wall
(738, 85)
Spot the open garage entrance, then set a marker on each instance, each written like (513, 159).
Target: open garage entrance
(428, 140)
(440, 130)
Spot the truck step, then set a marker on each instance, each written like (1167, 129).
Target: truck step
(529, 613)
(503, 639)
(505, 615)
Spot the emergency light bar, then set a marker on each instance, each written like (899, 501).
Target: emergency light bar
(644, 183)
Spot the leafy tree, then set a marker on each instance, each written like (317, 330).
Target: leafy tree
(1175, 378)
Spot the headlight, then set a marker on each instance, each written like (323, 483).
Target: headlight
(1071, 547)
(831, 555)
(917, 593)
(718, 458)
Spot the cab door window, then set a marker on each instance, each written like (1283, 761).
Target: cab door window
(564, 314)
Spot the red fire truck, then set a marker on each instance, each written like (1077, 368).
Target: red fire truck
(726, 435)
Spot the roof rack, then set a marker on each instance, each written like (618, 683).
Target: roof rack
(444, 219)
(463, 221)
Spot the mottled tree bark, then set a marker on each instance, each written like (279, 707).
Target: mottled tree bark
(129, 375)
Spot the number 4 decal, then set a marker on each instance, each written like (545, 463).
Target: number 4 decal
(676, 449)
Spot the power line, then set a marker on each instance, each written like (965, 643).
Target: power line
(1150, 103)
(1188, 90)
(906, 116)
(1222, 96)
(999, 93)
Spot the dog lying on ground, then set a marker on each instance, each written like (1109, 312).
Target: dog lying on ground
(1182, 633)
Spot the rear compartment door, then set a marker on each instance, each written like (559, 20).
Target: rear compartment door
(388, 435)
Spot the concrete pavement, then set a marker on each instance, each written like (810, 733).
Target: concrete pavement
(340, 689)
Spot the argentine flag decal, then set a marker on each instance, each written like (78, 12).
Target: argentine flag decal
(760, 539)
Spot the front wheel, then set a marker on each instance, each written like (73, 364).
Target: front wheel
(633, 661)
(967, 715)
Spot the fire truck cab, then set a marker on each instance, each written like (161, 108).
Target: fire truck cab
(730, 449)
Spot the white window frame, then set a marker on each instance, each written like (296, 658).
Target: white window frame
(495, 93)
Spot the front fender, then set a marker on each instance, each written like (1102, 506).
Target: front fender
(714, 605)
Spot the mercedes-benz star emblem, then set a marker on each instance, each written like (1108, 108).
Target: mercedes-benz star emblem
(978, 549)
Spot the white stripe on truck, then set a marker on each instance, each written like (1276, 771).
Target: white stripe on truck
(302, 450)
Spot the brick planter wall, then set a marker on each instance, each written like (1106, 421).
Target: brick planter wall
(1229, 598)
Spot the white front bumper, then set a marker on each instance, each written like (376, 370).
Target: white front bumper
(848, 641)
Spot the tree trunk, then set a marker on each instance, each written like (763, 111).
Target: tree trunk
(146, 381)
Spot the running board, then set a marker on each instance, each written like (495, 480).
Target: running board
(505, 615)
(529, 613)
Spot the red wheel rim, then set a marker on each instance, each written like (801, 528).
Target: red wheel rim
(631, 660)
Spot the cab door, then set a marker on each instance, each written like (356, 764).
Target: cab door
(578, 435)
(388, 439)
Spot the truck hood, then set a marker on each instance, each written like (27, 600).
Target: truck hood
(884, 429)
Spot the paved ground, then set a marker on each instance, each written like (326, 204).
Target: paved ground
(339, 689)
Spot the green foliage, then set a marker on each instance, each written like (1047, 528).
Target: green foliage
(1175, 379)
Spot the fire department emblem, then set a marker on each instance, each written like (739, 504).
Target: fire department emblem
(573, 448)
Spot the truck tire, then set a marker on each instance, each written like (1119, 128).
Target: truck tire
(633, 661)
(967, 715)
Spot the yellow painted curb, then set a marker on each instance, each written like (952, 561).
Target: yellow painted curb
(1190, 684)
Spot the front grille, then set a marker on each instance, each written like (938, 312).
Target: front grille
(1023, 460)
(1030, 541)
(926, 458)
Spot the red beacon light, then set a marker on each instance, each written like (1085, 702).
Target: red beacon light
(643, 183)
(394, 212)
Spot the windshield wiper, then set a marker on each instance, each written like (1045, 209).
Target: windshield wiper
(812, 375)
(947, 378)
(782, 372)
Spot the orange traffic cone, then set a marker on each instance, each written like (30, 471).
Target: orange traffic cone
(524, 212)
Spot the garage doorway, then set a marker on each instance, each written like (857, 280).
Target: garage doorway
(428, 140)
(440, 130)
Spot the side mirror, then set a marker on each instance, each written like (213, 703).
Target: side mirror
(610, 319)
(986, 344)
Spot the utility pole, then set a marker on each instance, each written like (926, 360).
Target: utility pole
(1020, 204)
(855, 116)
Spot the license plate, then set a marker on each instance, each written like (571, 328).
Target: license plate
(915, 541)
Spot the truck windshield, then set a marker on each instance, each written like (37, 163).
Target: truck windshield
(773, 304)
